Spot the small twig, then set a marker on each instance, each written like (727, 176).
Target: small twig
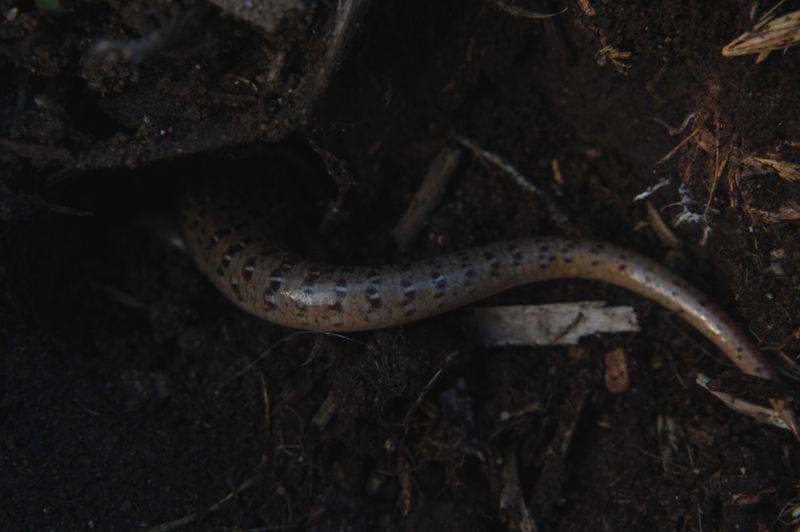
(18, 205)
(549, 486)
(649, 191)
(719, 166)
(515, 11)
(329, 55)
(557, 215)
(285, 339)
(786, 170)
(680, 145)
(762, 414)
(324, 413)
(427, 197)
(587, 8)
(513, 507)
(558, 176)
(672, 131)
(665, 234)
(406, 486)
(502, 164)
(448, 359)
(123, 298)
(668, 432)
(267, 407)
(337, 169)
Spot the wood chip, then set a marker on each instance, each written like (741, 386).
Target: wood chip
(554, 324)
(587, 8)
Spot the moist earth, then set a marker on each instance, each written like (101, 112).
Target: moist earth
(133, 396)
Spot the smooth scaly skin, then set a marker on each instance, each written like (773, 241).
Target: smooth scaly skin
(282, 288)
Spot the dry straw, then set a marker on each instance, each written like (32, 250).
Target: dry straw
(769, 34)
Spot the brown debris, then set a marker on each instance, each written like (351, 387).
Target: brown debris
(787, 212)
(587, 8)
(617, 378)
(617, 58)
(404, 475)
(749, 499)
(732, 164)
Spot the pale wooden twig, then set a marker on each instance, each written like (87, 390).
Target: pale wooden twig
(762, 414)
(556, 214)
(552, 324)
(513, 508)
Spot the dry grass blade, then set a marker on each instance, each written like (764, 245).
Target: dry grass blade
(768, 35)
(787, 212)
(786, 170)
(734, 164)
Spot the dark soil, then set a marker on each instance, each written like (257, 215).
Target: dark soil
(133, 395)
